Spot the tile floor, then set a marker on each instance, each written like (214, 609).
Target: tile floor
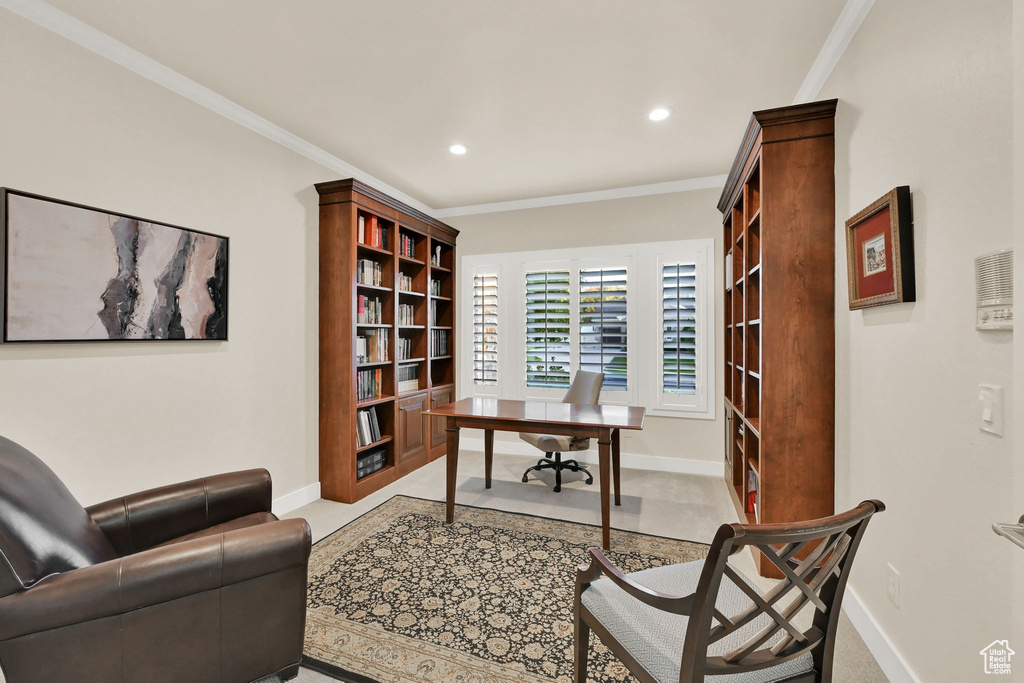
(674, 505)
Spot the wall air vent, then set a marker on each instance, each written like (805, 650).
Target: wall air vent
(993, 277)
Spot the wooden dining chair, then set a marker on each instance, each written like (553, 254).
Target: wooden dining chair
(700, 620)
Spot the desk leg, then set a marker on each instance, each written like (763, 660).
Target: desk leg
(615, 466)
(604, 455)
(488, 456)
(452, 469)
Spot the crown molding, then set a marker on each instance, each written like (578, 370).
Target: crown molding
(845, 28)
(80, 33)
(705, 183)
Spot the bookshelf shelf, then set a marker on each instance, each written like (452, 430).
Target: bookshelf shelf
(372, 250)
(778, 208)
(366, 403)
(440, 298)
(384, 440)
(367, 235)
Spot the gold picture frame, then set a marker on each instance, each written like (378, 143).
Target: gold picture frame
(880, 251)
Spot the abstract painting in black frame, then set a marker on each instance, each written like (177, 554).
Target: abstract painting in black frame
(77, 273)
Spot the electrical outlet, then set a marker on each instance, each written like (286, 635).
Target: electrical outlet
(893, 586)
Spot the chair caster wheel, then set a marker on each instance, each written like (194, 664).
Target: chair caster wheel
(590, 482)
(558, 489)
(526, 479)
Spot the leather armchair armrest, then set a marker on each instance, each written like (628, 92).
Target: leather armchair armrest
(148, 518)
(155, 576)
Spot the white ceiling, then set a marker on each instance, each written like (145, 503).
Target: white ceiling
(550, 96)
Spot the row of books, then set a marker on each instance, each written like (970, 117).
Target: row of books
(369, 272)
(372, 347)
(404, 348)
(435, 287)
(370, 462)
(367, 427)
(369, 384)
(404, 282)
(369, 311)
(433, 313)
(438, 343)
(406, 246)
(406, 314)
(408, 378)
(372, 232)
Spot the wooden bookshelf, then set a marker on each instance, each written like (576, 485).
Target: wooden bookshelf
(778, 210)
(390, 272)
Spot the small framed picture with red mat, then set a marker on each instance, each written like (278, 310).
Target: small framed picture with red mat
(880, 251)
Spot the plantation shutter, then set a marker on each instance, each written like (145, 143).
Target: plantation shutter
(547, 329)
(679, 328)
(602, 346)
(485, 329)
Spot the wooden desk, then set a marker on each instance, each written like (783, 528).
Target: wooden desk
(538, 417)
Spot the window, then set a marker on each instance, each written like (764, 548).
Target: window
(640, 313)
(485, 328)
(602, 334)
(547, 329)
(679, 328)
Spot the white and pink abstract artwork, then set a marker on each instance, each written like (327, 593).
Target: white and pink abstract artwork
(74, 273)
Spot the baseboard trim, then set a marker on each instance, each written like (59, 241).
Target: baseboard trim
(893, 665)
(633, 461)
(296, 499)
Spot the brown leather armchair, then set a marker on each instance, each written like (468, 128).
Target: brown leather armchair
(197, 581)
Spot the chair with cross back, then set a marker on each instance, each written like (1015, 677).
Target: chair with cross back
(700, 620)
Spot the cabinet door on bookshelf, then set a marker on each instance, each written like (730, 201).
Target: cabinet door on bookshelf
(439, 397)
(411, 440)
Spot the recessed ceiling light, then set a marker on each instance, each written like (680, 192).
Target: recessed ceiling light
(458, 149)
(660, 114)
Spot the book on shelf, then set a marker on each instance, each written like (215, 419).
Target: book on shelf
(433, 313)
(404, 282)
(406, 314)
(369, 272)
(372, 232)
(367, 427)
(407, 246)
(438, 343)
(408, 378)
(435, 287)
(404, 348)
(372, 347)
(369, 384)
(751, 491)
(369, 311)
(370, 462)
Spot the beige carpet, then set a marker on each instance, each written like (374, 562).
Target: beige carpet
(397, 595)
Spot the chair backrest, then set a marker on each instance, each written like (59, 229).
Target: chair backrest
(43, 529)
(585, 388)
(814, 557)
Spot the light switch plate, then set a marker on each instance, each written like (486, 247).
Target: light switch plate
(990, 409)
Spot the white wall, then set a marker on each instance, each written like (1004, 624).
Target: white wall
(1017, 416)
(111, 418)
(656, 218)
(925, 92)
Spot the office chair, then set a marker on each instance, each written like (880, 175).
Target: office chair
(586, 389)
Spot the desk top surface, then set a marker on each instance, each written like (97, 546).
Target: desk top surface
(499, 409)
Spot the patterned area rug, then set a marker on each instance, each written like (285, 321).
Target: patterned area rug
(397, 595)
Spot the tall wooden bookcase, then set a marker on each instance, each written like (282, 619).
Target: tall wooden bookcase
(396, 288)
(778, 207)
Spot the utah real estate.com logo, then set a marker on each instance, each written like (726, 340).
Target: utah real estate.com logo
(997, 657)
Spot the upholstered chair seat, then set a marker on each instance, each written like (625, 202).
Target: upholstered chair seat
(655, 638)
